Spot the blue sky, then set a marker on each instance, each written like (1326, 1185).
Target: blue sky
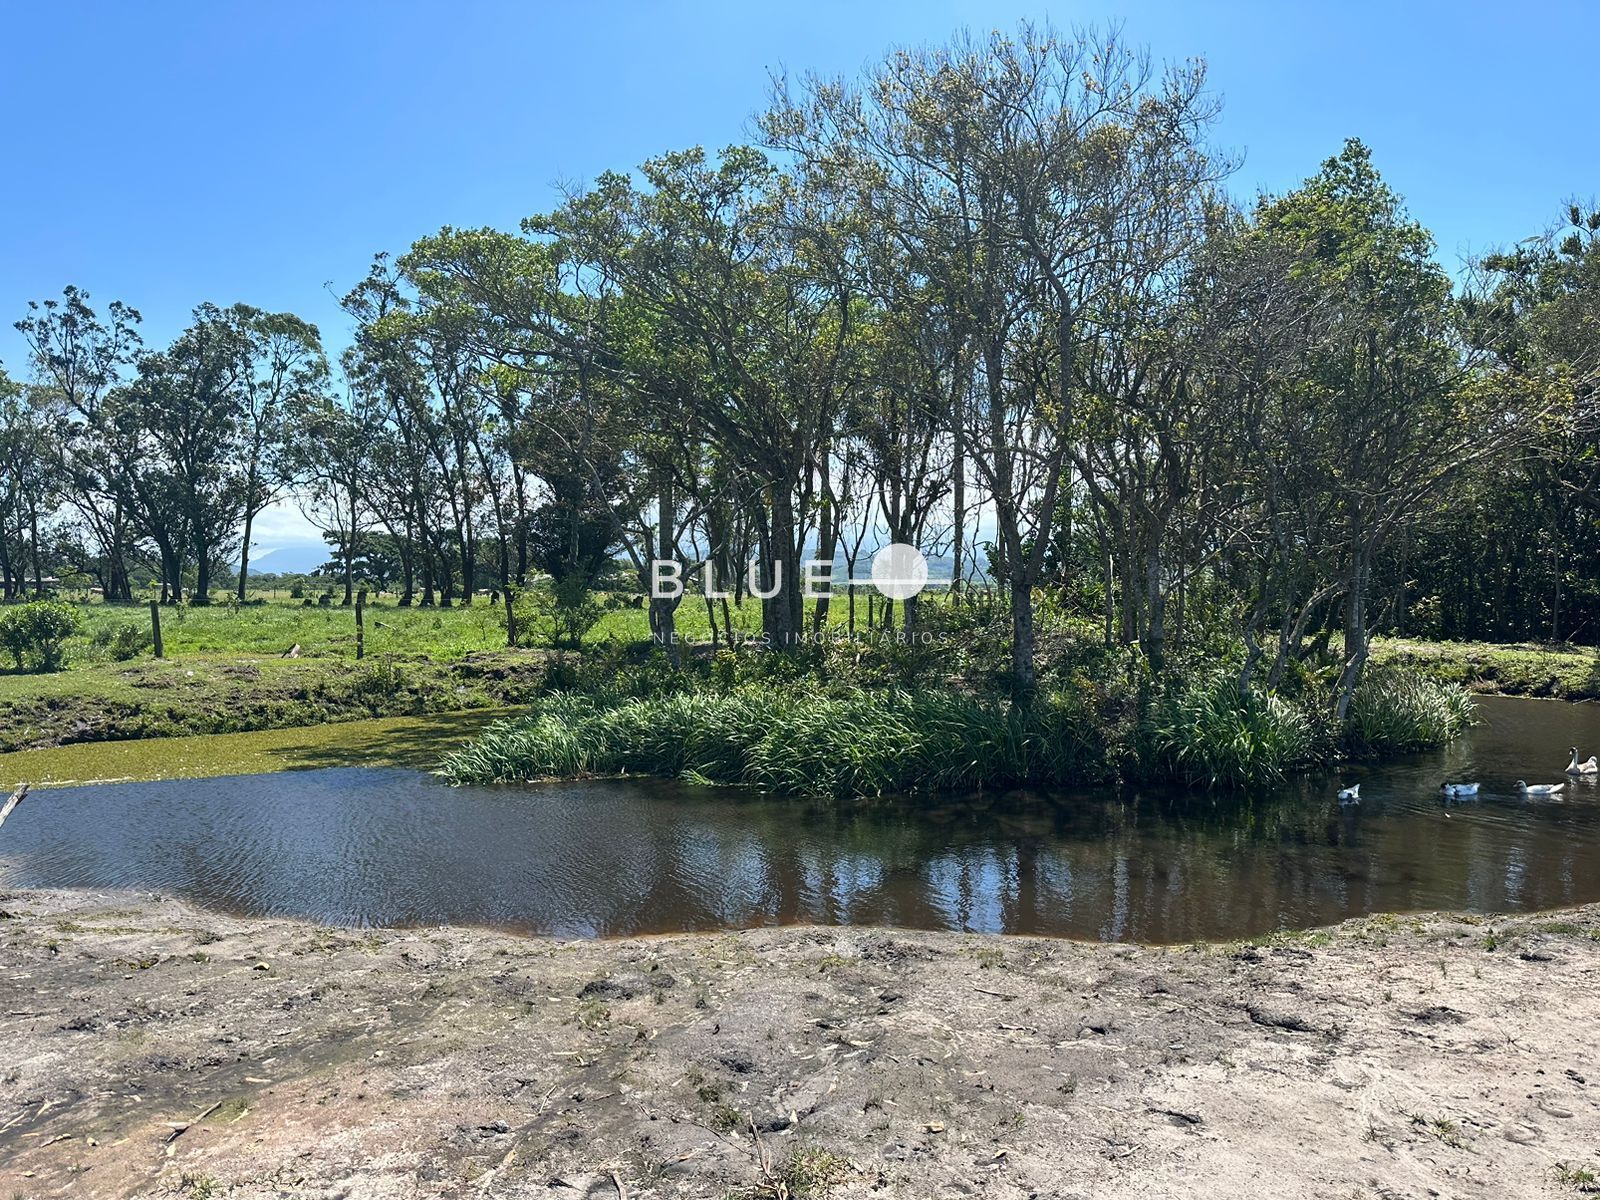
(171, 153)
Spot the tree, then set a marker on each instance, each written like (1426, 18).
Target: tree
(29, 486)
(761, 346)
(286, 366)
(1042, 180)
(331, 457)
(187, 409)
(78, 358)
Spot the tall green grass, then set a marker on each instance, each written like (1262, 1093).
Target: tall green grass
(799, 739)
(1396, 710)
(1210, 733)
(790, 741)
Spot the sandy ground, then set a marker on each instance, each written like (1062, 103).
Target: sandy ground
(150, 1049)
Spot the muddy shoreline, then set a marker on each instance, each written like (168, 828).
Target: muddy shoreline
(151, 1049)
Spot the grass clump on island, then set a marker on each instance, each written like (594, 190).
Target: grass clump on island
(1209, 732)
(1397, 710)
(803, 738)
(796, 741)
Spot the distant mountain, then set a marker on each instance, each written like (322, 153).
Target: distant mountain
(294, 558)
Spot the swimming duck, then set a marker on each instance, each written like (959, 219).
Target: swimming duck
(1458, 789)
(1539, 789)
(1591, 766)
(1351, 794)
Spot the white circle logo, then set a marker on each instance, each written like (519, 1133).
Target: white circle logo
(899, 571)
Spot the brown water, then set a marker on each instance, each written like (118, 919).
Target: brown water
(397, 847)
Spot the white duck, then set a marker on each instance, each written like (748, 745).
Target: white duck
(1458, 789)
(1590, 766)
(1539, 789)
(1351, 794)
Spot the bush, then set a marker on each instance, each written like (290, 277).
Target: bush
(557, 614)
(35, 634)
(1396, 710)
(119, 643)
(1210, 733)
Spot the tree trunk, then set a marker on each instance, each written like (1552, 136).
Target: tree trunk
(780, 612)
(38, 554)
(469, 561)
(350, 555)
(244, 554)
(202, 582)
(8, 589)
(1023, 680)
(1355, 636)
(827, 548)
(958, 495)
(664, 609)
(1154, 641)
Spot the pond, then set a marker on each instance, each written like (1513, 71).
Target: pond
(395, 846)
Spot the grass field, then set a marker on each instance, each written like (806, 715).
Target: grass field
(236, 693)
(1561, 672)
(225, 668)
(450, 634)
(439, 634)
(272, 628)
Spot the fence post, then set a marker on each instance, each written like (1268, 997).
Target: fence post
(155, 627)
(361, 625)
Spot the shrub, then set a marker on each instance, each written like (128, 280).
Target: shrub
(558, 614)
(1396, 710)
(377, 685)
(35, 634)
(1208, 732)
(121, 642)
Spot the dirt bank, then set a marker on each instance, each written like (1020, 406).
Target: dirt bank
(147, 1048)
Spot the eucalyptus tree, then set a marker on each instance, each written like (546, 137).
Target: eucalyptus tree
(1535, 308)
(1384, 386)
(391, 457)
(77, 359)
(332, 456)
(1039, 180)
(188, 412)
(14, 450)
(1386, 401)
(447, 422)
(29, 485)
(285, 364)
(1262, 315)
(914, 362)
(703, 247)
(554, 339)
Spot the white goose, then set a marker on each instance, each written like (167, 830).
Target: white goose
(1458, 789)
(1539, 789)
(1591, 766)
(1351, 794)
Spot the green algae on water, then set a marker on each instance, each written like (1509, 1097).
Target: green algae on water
(418, 742)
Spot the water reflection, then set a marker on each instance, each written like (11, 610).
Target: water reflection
(387, 847)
